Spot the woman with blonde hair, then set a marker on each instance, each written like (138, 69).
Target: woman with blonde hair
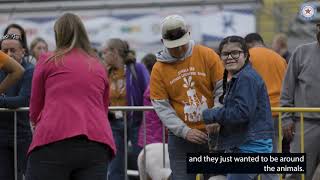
(128, 81)
(68, 106)
(37, 47)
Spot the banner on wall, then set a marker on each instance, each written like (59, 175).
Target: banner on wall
(142, 31)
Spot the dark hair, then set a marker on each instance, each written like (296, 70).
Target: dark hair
(23, 36)
(254, 37)
(149, 60)
(174, 34)
(243, 46)
(10, 37)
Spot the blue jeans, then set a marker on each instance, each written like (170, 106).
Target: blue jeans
(252, 148)
(7, 154)
(75, 158)
(275, 144)
(240, 176)
(116, 167)
(178, 149)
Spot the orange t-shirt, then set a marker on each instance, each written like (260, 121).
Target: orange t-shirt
(3, 58)
(188, 84)
(117, 80)
(272, 68)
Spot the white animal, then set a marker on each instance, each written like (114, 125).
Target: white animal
(154, 164)
(219, 177)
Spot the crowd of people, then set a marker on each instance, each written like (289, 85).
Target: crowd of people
(197, 93)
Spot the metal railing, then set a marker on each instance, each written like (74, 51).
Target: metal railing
(136, 108)
(15, 111)
(280, 110)
(111, 108)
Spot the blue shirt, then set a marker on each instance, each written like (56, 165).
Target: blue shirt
(257, 146)
(17, 96)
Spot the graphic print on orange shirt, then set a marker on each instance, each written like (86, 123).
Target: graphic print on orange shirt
(118, 88)
(194, 106)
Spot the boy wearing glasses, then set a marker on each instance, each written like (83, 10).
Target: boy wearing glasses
(184, 82)
(16, 96)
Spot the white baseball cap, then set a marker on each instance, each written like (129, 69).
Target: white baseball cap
(174, 31)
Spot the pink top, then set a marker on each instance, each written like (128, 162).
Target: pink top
(153, 124)
(70, 98)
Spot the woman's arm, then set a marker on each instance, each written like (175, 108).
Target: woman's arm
(21, 99)
(14, 71)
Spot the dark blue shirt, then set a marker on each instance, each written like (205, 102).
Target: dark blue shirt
(16, 96)
(246, 114)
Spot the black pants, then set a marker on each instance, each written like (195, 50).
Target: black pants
(72, 159)
(7, 155)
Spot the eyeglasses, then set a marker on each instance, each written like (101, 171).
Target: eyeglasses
(11, 36)
(234, 54)
(174, 34)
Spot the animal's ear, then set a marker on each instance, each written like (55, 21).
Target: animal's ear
(166, 173)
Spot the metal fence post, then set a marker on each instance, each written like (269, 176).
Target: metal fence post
(280, 137)
(125, 109)
(279, 150)
(302, 137)
(164, 145)
(125, 145)
(144, 146)
(15, 146)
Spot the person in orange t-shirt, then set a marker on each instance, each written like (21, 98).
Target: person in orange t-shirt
(184, 81)
(14, 70)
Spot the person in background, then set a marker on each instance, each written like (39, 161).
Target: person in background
(245, 118)
(272, 68)
(69, 103)
(37, 47)
(153, 123)
(16, 96)
(280, 45)
(128, 81)
(19, 30)
(184, 82)
(301, 89)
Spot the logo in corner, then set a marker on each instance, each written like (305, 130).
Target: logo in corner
(308, 11)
